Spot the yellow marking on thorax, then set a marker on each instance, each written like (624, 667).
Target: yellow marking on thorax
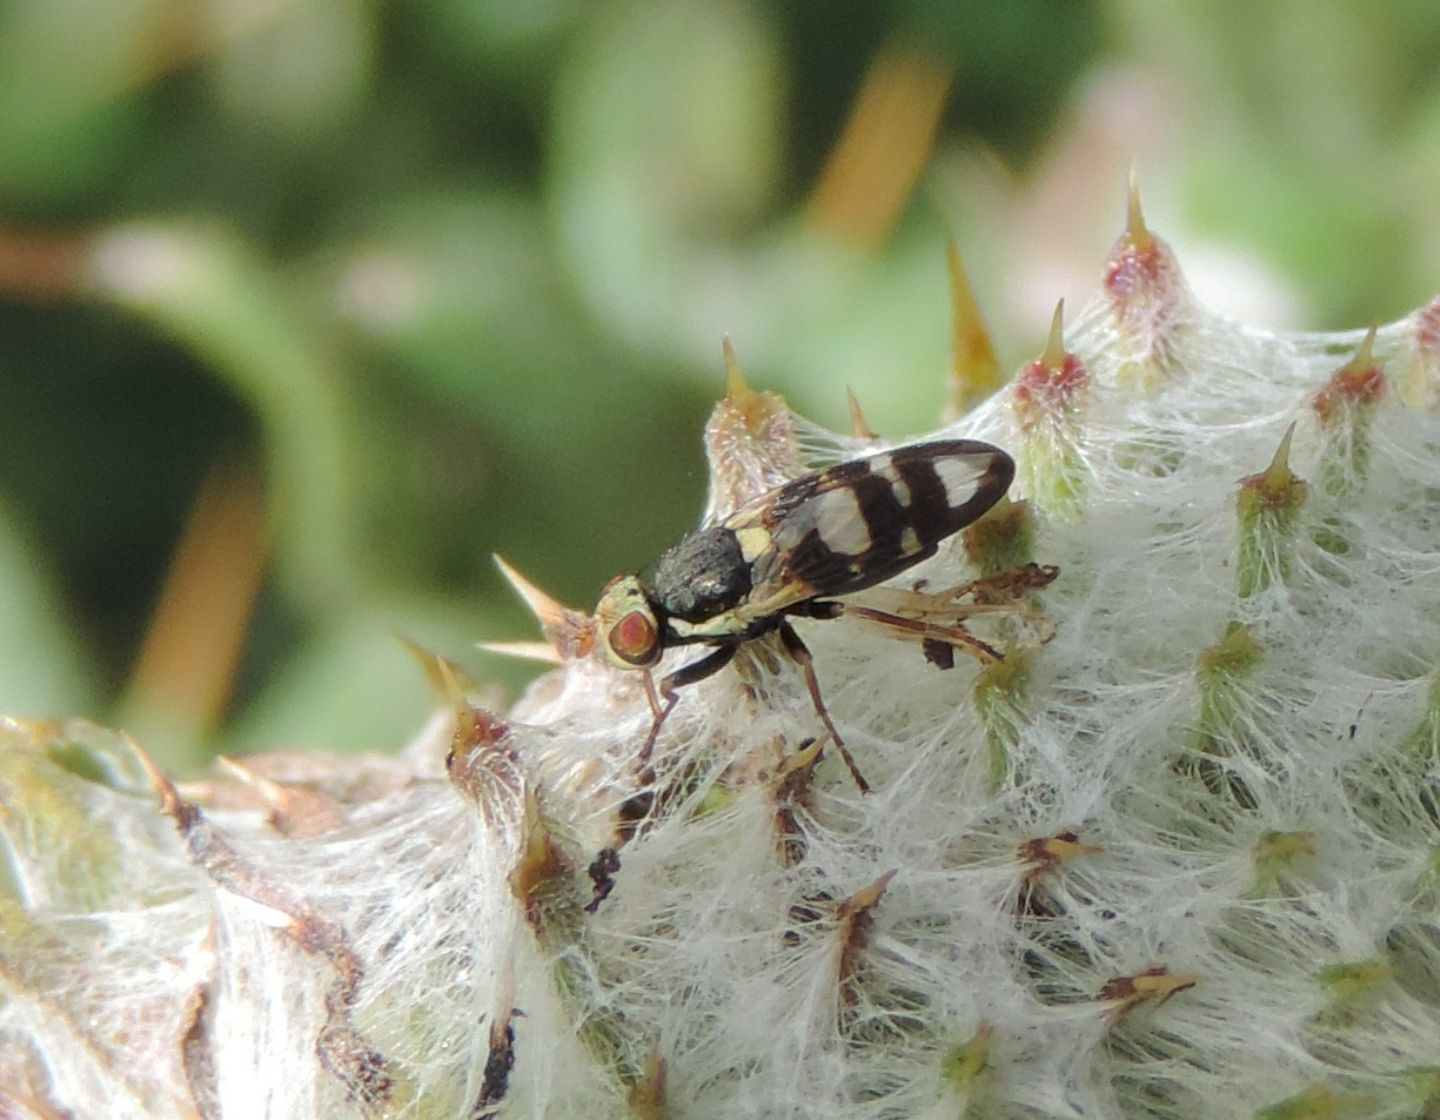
(721, 626)
(754, 541)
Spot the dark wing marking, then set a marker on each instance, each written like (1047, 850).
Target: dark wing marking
(854, 525)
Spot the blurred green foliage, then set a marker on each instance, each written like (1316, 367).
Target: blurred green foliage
(448, 278)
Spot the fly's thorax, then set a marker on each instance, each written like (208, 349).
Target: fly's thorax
(701, 576)
(626, 621)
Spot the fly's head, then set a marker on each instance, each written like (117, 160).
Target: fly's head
(628, 629)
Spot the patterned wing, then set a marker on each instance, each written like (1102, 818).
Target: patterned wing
(847, 528)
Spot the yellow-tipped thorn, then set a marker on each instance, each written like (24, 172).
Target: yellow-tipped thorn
(963, 305)
(546, 610)
(750, 404)
(152, 771)
(962, 295)
(159, 781)
(525, 651)
(1278, 473)
(470, 724)
(444, 676)
(974, 368)
(1051, 851)
(1054, 354)
(454, 690)
(1365, 352)
(866, 897)
(802, 758)
(296, 811)
(569, 632)
(736, 387)
(431, 664)
(859, 426)
(964, 1064)
(1156, 984)
(272, 791)
(1360, 382)
(1136, 231)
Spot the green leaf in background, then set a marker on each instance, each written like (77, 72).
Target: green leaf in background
(44, 671)
(446, 279)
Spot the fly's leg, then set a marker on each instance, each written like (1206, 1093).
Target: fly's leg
(602, 870)
(937, 620)
(954, 636)
(800, 653)
(657, 717)
(670, 687)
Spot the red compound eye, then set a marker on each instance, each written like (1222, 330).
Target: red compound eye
(633, 638)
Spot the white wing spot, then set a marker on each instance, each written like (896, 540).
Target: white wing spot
(841, 522)
(959, 477)
(884, 467)
(909, 540)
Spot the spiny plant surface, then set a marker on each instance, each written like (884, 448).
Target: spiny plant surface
(1176, 856)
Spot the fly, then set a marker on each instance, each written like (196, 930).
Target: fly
(795, 552)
